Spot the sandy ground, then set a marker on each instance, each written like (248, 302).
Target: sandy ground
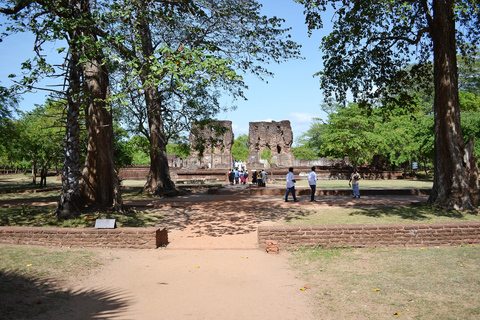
(190, 284)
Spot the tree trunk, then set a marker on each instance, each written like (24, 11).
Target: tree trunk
(158, 181)
(100, 185)
(34, 173)
(455, 184)
(69, 203)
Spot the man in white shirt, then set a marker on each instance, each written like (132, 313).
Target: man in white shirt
(312, 181)
(290, 185)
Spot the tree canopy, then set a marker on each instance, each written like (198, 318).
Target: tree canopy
(379, 50)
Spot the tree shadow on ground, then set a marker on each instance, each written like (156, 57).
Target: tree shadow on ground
(33, 216)
(421, 212)
(29, 297)
(228, 218)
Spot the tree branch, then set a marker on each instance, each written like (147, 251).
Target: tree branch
(420, 33)
(18, 7)
(428, 13)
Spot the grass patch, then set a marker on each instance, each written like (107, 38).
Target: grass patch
(424, 283)
(19, 197)
(31, 281)
(380, 215)
(24, 182)
(43, 262)
(32, 216)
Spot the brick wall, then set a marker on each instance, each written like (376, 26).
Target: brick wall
(140, 238)
(410, 235)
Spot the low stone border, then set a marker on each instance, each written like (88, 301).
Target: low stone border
(139, 238)
(405, 235)
(305, 191)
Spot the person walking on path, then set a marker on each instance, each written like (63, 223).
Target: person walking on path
(354, 178)
(312, 181)
(290, 185)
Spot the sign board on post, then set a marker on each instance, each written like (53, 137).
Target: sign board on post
(105, 224)
(414, 165)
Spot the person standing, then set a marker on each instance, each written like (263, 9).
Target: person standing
(312, 181)
(245, 175)
(231, 176)
(237, 176)
(263, 174)
(290, 185)
(354, 178)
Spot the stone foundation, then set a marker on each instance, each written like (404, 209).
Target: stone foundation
(397, 235)
(306, 191)
(138, 238)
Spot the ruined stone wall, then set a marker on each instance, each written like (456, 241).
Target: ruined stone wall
(216, 138)
(276, 136)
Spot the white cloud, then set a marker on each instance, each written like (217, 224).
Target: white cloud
(305, 118)
(238, 130)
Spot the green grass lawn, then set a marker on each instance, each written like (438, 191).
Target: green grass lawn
(413, 283)
(24, 182)
(378, 215)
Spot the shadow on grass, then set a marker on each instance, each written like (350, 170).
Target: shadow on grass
(229, 218)
(32, 216)
(29, 297)
(421, 212)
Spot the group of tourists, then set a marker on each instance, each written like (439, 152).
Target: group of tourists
(312, 181)
(239, 165)
(259, 178)
(238, 177)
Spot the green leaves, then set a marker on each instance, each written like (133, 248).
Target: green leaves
(240, 148)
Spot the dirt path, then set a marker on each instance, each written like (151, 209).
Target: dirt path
(192, 284)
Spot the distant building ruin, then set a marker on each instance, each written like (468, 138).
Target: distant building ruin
(211, 145)
(274, 136)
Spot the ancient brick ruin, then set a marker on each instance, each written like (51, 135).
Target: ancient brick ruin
(215, 141)
(275, 136)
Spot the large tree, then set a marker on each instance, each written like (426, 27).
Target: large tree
(180, 53)
(87, 88)
(349, 131)
(367, 52)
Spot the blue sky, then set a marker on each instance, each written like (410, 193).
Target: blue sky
(292, 94)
